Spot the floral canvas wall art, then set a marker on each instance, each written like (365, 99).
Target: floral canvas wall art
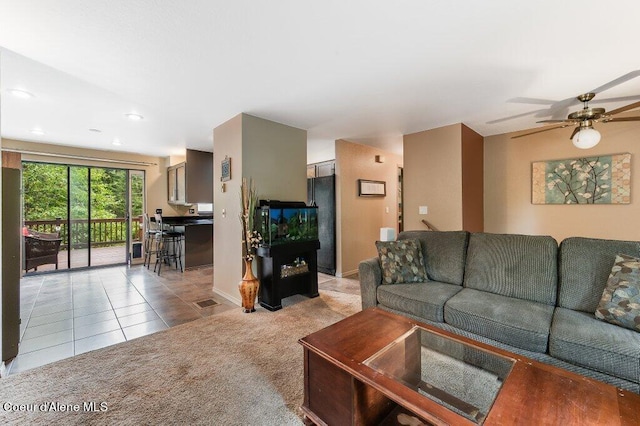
(604, 179)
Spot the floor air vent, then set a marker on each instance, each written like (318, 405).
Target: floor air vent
(205, 303)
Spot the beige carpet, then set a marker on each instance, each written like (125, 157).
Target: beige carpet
(228, 369)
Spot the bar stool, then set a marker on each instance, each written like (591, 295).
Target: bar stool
(151, 231)
(168, 246)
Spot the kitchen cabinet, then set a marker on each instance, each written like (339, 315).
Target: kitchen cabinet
(177, 188)
(199, 176)
(191, 182)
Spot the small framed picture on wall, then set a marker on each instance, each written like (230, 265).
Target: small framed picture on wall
(372, 188)
(226, 169)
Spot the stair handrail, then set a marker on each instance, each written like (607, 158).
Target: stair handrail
(429, 225)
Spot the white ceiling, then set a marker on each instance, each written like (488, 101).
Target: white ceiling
(367, 71)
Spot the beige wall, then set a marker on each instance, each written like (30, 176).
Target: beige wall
(274, 155)
(320, 150)
(227, 248)
(155, 174)
(359, 219)
(433, 178)
(507, 186)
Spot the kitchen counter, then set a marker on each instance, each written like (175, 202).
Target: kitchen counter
(198, 238)
(187, 220)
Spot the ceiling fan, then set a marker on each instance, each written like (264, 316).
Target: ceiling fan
(584, 135)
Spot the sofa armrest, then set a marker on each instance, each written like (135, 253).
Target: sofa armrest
(370, 279)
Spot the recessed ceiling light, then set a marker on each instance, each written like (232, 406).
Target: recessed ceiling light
(116, 142)
(134, 116)
(19, 93)
(95, 130)
(37, 131)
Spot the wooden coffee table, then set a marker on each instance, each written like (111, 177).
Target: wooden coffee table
(366, 369)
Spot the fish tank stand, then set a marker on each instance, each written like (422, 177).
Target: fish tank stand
(288, 255)
(285, 270)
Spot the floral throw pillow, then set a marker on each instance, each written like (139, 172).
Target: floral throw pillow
(620, 303)
(401, 261)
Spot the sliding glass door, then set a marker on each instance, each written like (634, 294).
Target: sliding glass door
(78, 224)
(108, 227)
(45, 189)
(135, 215)
(95, 210)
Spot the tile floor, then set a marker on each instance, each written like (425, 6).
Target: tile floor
(69, 313)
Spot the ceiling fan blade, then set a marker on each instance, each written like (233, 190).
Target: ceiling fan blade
(524, 114)
(622, 119)
(555, 121)
(544, 129)
(624, 108)
(628, 76)
(534, 101)
(618, 99)
(576, 130)
(560, 108)
(556, 108)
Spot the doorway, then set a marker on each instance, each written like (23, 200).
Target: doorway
(95, 211)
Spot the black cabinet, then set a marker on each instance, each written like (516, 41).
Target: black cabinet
(321, 191)
(285, 270)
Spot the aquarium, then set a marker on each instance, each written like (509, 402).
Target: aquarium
(287, 222)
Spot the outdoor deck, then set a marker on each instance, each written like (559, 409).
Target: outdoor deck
(103, 232)
(79, 258)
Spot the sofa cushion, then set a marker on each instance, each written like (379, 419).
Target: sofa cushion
(401, 261)
(585, 265)
(424, 300)
(444, 253)
(520, 323)
(581, 339)
(620, 302)
(520, 266)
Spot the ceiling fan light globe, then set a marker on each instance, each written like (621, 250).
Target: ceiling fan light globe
(586, 138)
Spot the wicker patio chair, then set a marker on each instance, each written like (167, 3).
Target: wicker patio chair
(41, 248)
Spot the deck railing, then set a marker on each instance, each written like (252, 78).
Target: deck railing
(104, 232)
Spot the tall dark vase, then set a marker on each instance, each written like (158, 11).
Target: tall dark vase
(248, 288)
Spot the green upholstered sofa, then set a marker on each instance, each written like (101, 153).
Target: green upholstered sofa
(521, 293)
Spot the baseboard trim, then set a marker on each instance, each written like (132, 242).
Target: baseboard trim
(347, 274)
(233, 299)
